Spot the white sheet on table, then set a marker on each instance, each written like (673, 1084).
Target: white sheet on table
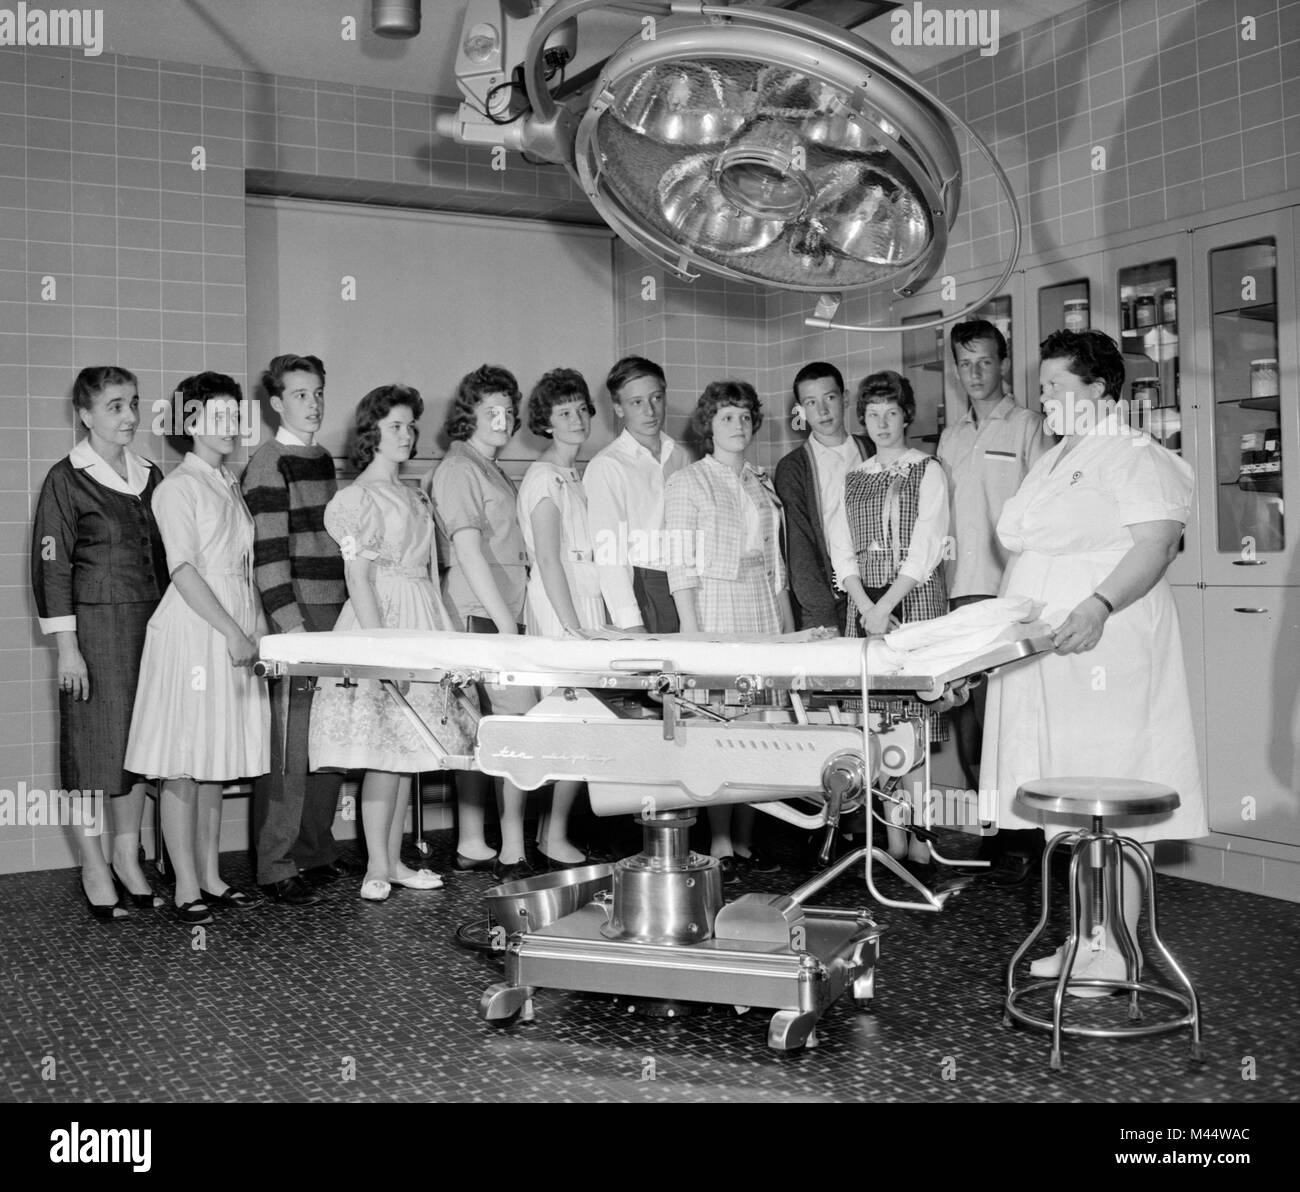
(948, 642)
(401, 649)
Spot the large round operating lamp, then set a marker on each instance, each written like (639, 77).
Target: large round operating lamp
(753, 144)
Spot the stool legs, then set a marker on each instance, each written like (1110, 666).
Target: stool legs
(1107, 892)
(1116, 920)
(1058, 841)
(1153, 926)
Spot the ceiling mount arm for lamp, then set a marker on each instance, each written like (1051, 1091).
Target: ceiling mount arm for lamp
(760, 146)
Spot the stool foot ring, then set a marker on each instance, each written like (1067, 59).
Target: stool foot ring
(1012, 1009)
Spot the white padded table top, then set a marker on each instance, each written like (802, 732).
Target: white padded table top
(511, 659)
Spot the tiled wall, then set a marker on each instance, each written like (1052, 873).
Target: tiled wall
(144, 257)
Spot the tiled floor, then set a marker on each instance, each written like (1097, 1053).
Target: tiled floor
(356, 1002)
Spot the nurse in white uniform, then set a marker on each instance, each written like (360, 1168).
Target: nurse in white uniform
(1093, 529)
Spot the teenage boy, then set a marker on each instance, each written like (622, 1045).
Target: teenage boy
(986, 455)
(810, 483)
(625, 501)
(298, 571)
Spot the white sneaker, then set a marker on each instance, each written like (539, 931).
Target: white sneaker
(1108, 964)
(421, 879)
(1050, 966)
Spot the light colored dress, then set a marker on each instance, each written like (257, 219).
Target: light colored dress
(1121, 710)
(542, 481)
(196, 714)
(361, 727)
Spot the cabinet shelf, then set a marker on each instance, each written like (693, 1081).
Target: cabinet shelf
(1270, 483)
(1139, 332)
(1272, 404)
(1265, 312)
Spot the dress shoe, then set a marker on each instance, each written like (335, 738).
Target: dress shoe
(230, 898)
(1011, 869)
(331, 871)
(465, 864)
(105, 912)
(149, 901)
(375, 890)
(731, 869)
(194, 914)
(555, 866)
(421, 879)
(512, 872)
(759, 862)
(292, 891)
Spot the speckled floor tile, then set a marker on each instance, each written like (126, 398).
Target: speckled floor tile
(350, 1001)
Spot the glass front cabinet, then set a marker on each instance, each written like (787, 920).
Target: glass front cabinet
(1247, 361)
(1060, 296)
(1150, 310)
(1247, 454)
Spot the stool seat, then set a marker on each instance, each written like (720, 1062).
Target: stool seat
(1097, 796)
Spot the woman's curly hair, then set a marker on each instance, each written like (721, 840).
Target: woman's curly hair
(473, 388)
(557, 388)
(718, 395)
(373, 409)
(887, 386)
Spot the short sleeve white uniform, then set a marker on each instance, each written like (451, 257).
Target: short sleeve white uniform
(1121, 710)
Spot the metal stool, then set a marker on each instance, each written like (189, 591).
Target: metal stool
(1100, 797)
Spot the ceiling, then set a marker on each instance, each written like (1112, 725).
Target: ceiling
(303, 38)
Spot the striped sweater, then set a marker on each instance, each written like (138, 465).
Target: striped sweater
(295, 561)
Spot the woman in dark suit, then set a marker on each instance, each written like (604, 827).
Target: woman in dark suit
(98, 571)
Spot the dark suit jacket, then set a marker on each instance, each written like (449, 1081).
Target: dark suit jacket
(812, 579)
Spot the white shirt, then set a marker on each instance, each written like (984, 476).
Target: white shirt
(625, 512)
(925, 550)
(986, 462)
(833, 464)
(289, 439)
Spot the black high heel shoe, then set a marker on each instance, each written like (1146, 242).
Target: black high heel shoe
(105, 913)
(149, 901)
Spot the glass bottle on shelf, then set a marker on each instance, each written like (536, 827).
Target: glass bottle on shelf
(1148, 303)
(1247, 438)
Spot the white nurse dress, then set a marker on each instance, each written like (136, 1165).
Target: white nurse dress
(1122, 709)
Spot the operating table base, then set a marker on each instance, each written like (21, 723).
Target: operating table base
(831, 951)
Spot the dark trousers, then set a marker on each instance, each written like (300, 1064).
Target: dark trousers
(658, 608)
(967, 724)
(967, 721)
(293, 809)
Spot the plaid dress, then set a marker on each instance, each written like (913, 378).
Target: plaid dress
(706, 545)
(874, 500)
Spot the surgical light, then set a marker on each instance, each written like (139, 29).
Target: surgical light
(753, 144)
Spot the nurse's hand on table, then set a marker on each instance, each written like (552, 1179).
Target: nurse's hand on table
(1082, 629)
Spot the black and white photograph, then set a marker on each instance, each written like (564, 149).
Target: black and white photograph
(642, 552)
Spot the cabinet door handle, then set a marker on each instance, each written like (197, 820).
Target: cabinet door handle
(1249, 562)
(1240, 609)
